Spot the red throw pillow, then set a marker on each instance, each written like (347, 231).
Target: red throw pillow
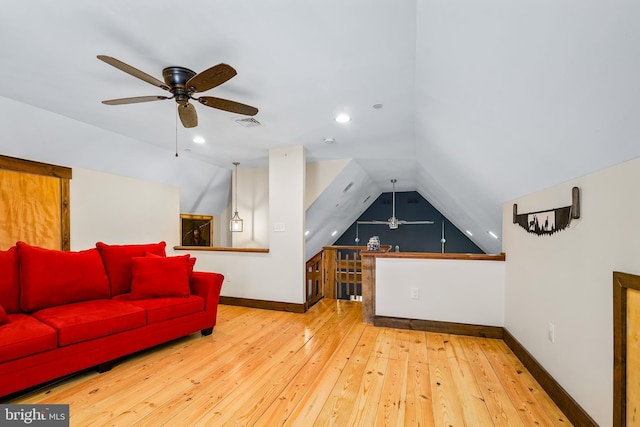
(192, 260)
(160, 277)
(3, 316)
(117, 262)
(51, 277)
(9, 287)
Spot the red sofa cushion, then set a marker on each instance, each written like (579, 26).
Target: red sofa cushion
(87, 320)
(160, 277)
(117, 262)
(9, 288)
(23, 336)
(192, 261)
(3, 316)
(160, 309)
(50, 277)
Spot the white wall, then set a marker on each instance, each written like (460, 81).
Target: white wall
(253, 199)
(120, 210)
(253, 208)
(319, 176)
(280, 274)
(566, 279)
(459, 291)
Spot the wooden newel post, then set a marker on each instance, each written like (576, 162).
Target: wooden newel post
(368, 287)
(329, 267)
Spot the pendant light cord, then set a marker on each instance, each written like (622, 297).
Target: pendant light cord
(235, 164)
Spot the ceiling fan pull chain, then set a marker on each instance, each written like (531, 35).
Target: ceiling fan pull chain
(176, 133)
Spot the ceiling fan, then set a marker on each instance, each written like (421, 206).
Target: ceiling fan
(394, 222)
(183, 84)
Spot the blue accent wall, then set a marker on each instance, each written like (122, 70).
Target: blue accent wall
(410, 206)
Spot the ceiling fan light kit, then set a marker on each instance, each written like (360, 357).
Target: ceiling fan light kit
(183, 83)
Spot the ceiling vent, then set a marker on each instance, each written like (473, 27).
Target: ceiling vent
(248, 122)
(347, 187)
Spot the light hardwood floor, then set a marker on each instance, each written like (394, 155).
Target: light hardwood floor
(321, 368)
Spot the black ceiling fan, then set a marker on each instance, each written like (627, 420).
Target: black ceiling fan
(394, 222)
(183, 83)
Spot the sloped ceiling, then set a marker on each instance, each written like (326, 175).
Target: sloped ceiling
(340, 204)
(482, 101)
(512, 97)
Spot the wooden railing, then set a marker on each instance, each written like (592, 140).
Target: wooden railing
(315, 279)
(342, 266)
(348, 275)
(343, 273)
(336, 272)
(340, 272)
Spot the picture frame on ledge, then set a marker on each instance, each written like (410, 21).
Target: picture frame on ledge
(196, 230)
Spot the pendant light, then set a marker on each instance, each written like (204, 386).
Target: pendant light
(235, 224)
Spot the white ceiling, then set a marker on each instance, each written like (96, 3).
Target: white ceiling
(483, 101)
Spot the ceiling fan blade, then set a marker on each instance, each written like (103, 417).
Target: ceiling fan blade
(226, 105)
(188, 115)
(134, 100)
(373, 222)
(414, 222)
(210, 78)
(133, 71)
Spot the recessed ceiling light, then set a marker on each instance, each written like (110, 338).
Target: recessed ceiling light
(342, 118)
(492, 234)
(198, 140)
(469, 233)
(377, 106)
(306, 233)
(334, 233)
(329, 140)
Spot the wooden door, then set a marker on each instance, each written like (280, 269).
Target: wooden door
(34, 204)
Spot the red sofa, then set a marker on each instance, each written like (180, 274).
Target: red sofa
(62, 312)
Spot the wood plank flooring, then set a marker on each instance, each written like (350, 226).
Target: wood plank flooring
(321, 368)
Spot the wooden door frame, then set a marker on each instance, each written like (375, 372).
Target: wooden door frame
(621, 283)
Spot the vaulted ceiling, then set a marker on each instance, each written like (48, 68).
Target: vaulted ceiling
(481, 101)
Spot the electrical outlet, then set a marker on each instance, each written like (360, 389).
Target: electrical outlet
(551, 333)
(415, 293)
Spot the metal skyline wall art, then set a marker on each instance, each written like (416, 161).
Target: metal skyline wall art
(551, 220)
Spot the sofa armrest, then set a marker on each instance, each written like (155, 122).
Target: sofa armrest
(208, 286)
